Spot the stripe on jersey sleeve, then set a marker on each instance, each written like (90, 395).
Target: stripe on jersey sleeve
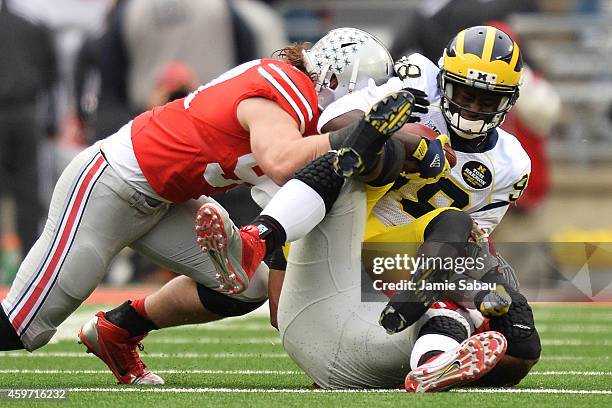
(284, 92)
(295, 89)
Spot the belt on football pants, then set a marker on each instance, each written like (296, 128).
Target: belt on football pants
(138, 198)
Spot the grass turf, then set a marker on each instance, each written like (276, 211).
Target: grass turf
(241, 362)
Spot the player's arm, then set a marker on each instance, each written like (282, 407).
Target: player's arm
(276, 140)
(276, 278)
(342, 120)
(489, 219)
(277, 263)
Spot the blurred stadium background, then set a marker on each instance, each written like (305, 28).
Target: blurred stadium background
(107, 60)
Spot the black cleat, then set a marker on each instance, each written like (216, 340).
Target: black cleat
(361, 149)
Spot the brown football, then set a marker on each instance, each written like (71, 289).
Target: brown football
(410, 134)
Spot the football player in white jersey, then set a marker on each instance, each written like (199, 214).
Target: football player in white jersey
(476, 85)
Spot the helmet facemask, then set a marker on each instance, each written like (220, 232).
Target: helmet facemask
(345, 60)
(468, 123)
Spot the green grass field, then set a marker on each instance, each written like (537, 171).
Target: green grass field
(240, 362)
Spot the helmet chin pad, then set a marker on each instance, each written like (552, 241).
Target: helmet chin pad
(468, 129)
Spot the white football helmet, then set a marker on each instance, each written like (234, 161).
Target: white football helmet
(344, 60)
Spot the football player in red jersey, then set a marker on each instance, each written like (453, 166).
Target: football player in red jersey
(139, 188)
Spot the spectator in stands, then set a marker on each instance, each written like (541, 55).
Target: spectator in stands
(433, 24)
(532, 120)
(100, 80)
(27, 72)
(209, 36)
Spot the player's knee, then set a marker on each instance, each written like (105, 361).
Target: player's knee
(519, 329)
(320, 175)
(223, 305)
(448, 325)
(449, 226)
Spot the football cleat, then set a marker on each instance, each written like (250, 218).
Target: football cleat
(362, 148)
(113, 345)
(235, 253)
(475, 357)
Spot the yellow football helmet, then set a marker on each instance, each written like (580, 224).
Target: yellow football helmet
(485, 58)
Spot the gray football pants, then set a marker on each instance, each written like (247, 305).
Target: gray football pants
(93, 215)
(325, 326)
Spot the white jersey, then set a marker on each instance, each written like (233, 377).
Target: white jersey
(484, 181)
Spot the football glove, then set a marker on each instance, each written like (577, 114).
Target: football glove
(494, 303)
(431, 160)
(404, 69)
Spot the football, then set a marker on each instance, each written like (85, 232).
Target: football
(410, 134)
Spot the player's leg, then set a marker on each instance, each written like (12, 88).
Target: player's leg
(444, 234)
(322, 286)
(303, 201)
(188, 299)
(524, 347)
(90, 220)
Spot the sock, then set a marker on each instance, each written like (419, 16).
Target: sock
(296, 208)
(429, 343)
(139, 307)
(8, 337)
(271, 232)
(131, 319)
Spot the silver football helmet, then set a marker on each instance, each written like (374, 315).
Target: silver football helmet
(344, 60)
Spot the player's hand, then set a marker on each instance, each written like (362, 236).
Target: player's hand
(392, 320)
(421, 104)
(431, 160)
(494, 303)
(405, 70)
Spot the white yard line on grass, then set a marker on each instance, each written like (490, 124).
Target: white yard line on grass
(75, 354)
(531, 391)
(576, 342)
(216, 372)
(223, 325)
(68, 329)
(566, 358)
(573, 328)
(316, 391)
(71, 354)
(214, 340)
(543, 317)
(257, 372)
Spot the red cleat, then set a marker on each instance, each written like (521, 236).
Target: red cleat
(113, 345)
(236, 253)
(475, 357)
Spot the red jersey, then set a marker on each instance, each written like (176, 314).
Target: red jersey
(195, 146)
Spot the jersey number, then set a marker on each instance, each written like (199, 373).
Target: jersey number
(520, 187)
(244, 170)
(459, 198)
